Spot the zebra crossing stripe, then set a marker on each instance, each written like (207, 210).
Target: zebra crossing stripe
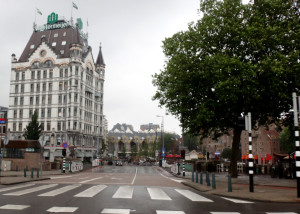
(224, 213)
(82, 182)
(35, 189)
(60, 190)
(62, 209)
(116, 211)
(281, 213)
(169, 212)
(124, 192)
(14, 207)
(158, 194)
(15, 187)
(238, 201)
(92, 191)
(192, 196)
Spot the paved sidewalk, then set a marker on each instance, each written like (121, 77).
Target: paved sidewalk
(265, 188)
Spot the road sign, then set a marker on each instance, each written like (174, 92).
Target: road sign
(65, 145)
(163, 152)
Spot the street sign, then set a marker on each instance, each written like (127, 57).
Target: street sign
(65, 145)
(163, 152)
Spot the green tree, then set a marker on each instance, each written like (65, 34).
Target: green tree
(236, 59)
(226, 153)
(191, 142)
(287, 140)
(34, 129)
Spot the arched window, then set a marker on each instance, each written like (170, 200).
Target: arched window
(48, 64)
(36, 64)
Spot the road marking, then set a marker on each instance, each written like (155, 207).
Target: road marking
(26, 191)
(116, 211)
(192, 196)
(238, 201)
(158, 194)
(169, 212)
(178, 181)
(62, 209)
(134, 176)
(124, 192)
(15, 187)
(14, 207)
(82, 182)
(60, 190)
(69, 176)
(281, 213)
(224, 213)
(92, 191)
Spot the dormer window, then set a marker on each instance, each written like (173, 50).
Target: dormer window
(65, 33)
(53, 44)
(56, 35)
(62, 52)
(36, 64)
(48, 64)
(63, 43)
(31, 46)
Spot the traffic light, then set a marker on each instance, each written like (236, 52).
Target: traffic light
(183, 154)
(64, 152)
(241, 122)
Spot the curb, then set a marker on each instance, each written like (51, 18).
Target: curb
(24, 181)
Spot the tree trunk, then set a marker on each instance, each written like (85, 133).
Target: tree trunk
(235, 151)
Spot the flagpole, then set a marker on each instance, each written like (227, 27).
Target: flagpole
(72, 14)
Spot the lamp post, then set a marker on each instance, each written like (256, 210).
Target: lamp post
(162, 136)
(42, 142)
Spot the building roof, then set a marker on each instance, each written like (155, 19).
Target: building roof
(100, 60)
(63, 38)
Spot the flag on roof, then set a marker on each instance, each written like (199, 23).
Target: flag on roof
(75, 6)
(38, 11)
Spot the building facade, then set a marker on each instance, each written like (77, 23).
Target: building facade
(57, 77)
(3, 122)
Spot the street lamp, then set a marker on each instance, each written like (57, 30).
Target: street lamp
(271, 149)
(162, 136)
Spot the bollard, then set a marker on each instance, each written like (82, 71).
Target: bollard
(229, 184)
(201, 178)
(193, 176)
(207, 176)
(208, 180)
(25, 172)
(213, 181)
(183, 168)
(37, 173)
(31, 176)
(196, 176)
(70, 166)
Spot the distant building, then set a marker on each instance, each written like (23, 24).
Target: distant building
(149, 126)
(57, 77)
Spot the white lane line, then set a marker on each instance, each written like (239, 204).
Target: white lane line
(92, 191)
(192, 196)
(60, 190)
(15, 187)
(169, 212)
(280, 213)
(35, 189)
(225, 213)
(14, 207)
(134, 176)
(82, 182)
(62, 209)
(178, 181)
(61, 177)
(238, 201)
(124, 192)
(158, 194)
(116, 211)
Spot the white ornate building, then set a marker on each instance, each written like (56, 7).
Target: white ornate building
(56, 75)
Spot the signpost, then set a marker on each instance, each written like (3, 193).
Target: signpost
(65, 145)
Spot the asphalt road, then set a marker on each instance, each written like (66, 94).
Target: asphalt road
(124, 189)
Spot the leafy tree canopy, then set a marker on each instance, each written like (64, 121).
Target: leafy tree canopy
(236, 59)
(33, 129)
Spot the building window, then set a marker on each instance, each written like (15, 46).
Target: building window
(60, 86)
(64, 112)
(48, 64)
(21, 113)
(36, 64)
(65, 33)
(32, 75)
(4, 129)
(50, 86)
(16, 101)
(65, 98)
(51, 74)
(49, 112)
(75, 111)
(61, 73)
(56, 35)
(50, 99)
(37, 100)
(20, 127)
(17, 89)
(23, 75)
(44, 99)
(66, 72)
(38, 75)
(37, 87)
(59, 99)
(74, 125)
(31, 46)
(63, 43)
(53, 44)
(66, 86)
(59, 112)
(75, 98)
(42, 126)
(14, 127)
(30, 113)
(64, 125)
(31, 88)
(62, 52)
(15, 113)
(43, 113)
(22, 88)
(59, 126)
(45, 74)
(44, 86)
(48, 126)
(31, 101)
(21, 101)
(17, 75)
(76, 70)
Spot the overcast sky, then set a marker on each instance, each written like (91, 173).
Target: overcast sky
(131, 33)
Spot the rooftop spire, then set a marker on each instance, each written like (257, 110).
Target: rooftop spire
(100, 60)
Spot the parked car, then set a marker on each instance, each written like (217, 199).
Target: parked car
(119, 163)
